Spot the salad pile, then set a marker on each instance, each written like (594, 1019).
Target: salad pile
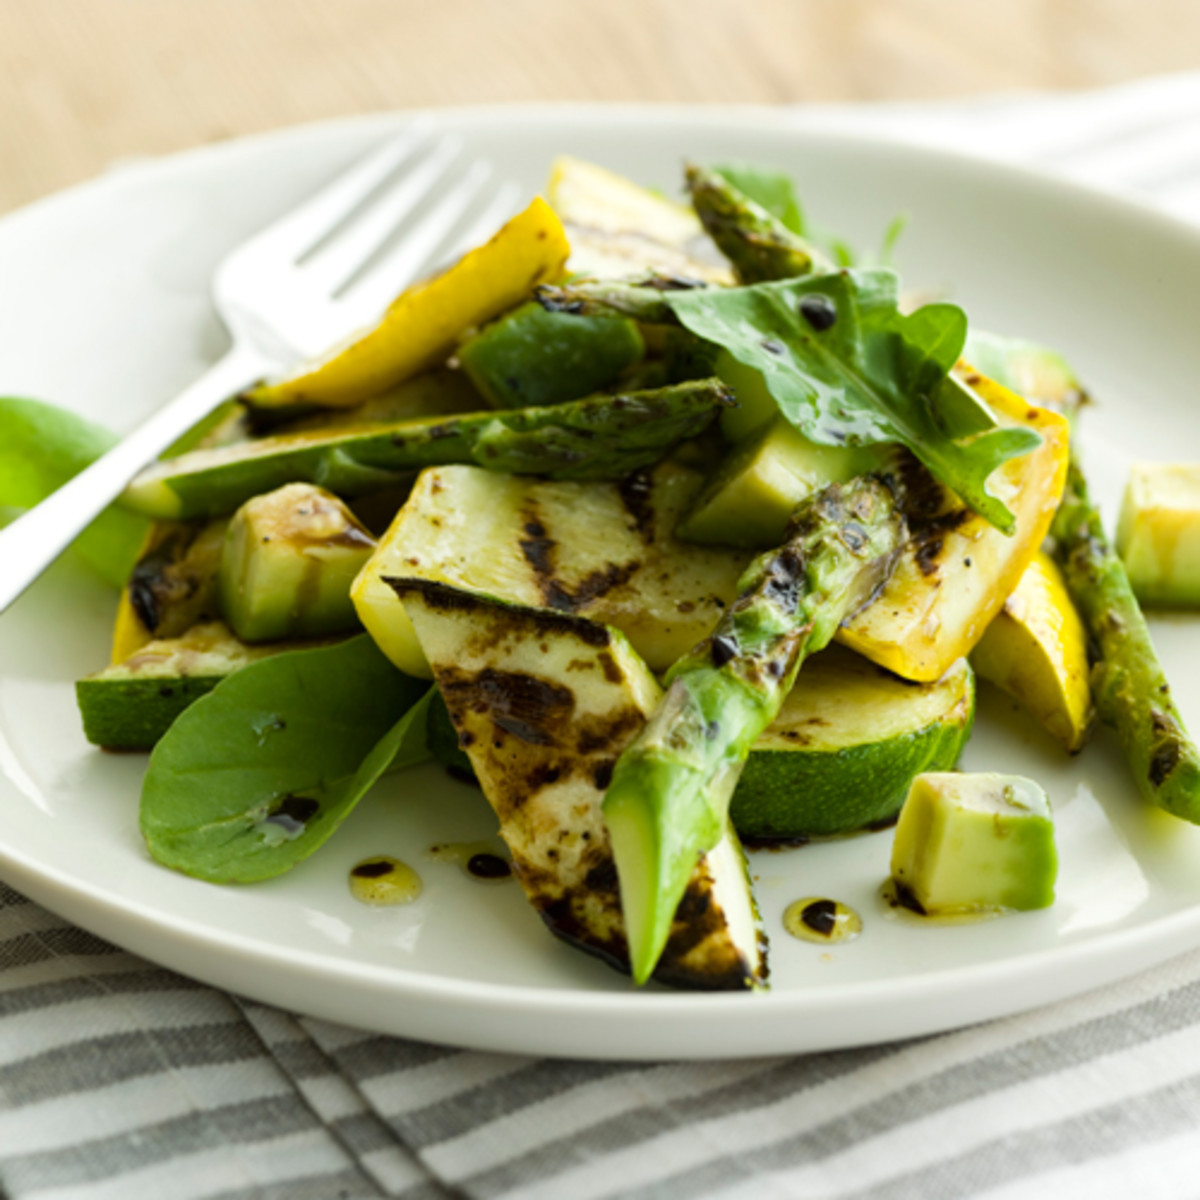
(672, 527)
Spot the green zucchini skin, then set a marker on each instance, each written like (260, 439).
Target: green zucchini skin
(132, 714)
(532, 357)
(130, 705)
(842, 780)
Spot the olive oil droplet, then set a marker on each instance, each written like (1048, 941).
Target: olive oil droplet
(826, 922)
(381, 881)
(488, 866)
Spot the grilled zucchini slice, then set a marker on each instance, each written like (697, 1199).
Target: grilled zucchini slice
(544, 703)
(606, 551)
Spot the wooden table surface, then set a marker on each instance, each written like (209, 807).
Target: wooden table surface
(86, 82)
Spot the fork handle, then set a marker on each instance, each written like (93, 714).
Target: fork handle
(34, 540)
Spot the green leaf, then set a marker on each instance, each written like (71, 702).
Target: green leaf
(253, 777)
(891, 235)
(842, 252)
(773, 190)
(776, 192)
(41, 447)
(873, 376)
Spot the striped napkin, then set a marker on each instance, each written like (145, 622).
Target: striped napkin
(122, 1080)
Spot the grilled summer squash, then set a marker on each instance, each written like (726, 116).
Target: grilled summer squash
(173, 586)
(289, 559)
(957, 570)
(544, 703)
(606, 551)
(131, 704)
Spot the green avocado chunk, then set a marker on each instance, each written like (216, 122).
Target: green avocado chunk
(751, 498)
(756, 407)
(290, 558)
(975, 843)
(534, 357)
(1158, 536)
(130, 706)
(846, 746)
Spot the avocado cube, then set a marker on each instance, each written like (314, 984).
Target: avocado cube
(975, 843)
(290, 557)
(751, 498)
(1158, 536)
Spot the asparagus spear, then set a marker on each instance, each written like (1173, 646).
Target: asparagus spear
(602, 437)
(1128, 684)
(759, 246)
(669, 795)
(610, 298)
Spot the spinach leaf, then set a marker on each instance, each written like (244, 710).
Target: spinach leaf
(772, 190)
(41, 447)
(253, 777)
(856, 371)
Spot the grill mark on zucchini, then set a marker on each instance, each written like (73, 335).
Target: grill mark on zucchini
(165, 580)
(445, 598)
(531, 709)
(154, 583)
(570, 915)
(602, 732)
(635, 491)
(593, 585)
(539, 551)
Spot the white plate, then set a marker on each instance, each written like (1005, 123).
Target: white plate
(103, 308)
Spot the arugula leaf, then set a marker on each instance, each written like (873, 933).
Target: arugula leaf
(871, 375)
(772, 190)
(253, 777)
(41, 447)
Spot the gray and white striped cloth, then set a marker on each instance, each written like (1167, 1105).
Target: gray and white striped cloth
(122, 1080)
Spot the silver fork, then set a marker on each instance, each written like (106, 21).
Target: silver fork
(316, 275)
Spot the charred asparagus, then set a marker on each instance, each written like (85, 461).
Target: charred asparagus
(669, 795)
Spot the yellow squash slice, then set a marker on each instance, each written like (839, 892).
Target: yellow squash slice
(421, 327)
(1036, 650)
(957, 572)
(129, 633)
